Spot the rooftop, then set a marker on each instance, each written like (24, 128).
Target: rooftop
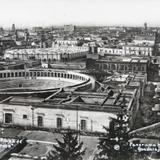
(125, 59)
(54, 50)
(78, 100)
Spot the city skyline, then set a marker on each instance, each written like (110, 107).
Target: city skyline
(28, 13)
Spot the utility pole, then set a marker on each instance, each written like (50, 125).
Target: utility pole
(32, 116)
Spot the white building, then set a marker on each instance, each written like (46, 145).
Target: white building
(110, 51)
(66, 42)
(77, 110)
(138, 50)
(48, 54)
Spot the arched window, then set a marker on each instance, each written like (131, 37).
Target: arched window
(83, 125)
(38, 74)
(42, 74)
(45, 74)
(40, 121)
(4, 75)
(59, 122)
(31, 74)
(12, 74)
(8, 74)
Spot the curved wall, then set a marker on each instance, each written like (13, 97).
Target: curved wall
(79, 80)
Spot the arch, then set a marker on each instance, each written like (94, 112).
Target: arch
(27, 74)
(4, 75)
(45, 74)
(31, 74)
(20, 74)
(12, 74)
(42, 74)
(23, 74)
(35, 74)
(8, 74)
(38, 74)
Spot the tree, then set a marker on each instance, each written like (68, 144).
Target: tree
(114, 145)
(68, 149)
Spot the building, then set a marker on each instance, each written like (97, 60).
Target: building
(66, 42)
(13, 28)
(110, 51)
(138, 50)
(40, 81)
(57, 53)
(69, 28)
(145, 26)
(145, 38)
(119, 64)
(140, 47)
(84, 111)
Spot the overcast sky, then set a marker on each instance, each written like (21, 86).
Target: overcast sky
(79, 12)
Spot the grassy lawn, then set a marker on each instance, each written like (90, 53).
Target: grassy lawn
(10, 132)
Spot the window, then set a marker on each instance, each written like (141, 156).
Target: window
(59, 122)
(83, 125)
(8, 118)
(24, 116)
(40, 121)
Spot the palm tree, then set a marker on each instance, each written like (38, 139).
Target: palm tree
(68, 149)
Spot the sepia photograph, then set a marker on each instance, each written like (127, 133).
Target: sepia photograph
(80, 80)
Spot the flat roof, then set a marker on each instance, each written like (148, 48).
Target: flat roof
(135, 60)
(26, 99)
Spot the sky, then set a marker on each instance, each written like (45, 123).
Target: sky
(28, 13)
